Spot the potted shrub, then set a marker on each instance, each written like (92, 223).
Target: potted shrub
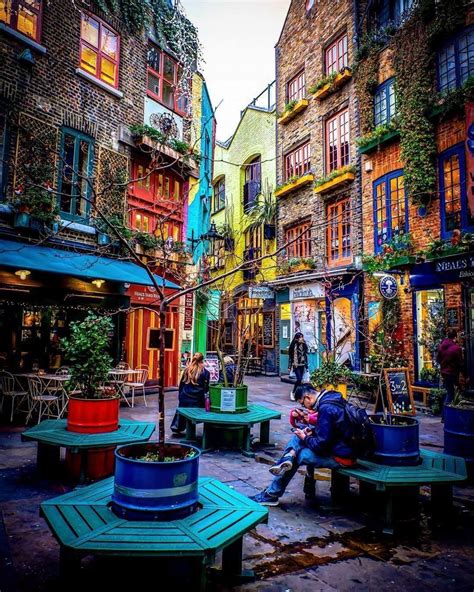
(332, 375)
(92, 408)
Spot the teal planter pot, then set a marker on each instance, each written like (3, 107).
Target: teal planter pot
(22, 220)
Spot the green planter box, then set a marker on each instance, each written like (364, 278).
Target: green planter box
(374, 144)
(232, 399)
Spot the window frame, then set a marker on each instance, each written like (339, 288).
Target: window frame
(302, 248)
(385, 180)
(301, 88)
(78, 136)
(344, 56)
(457, 149)
(98, 50)
(337, 117)
(217, 205)
(337, 207)
(304, 164)
(14, 11)
(455, 41)
(385, 89)
(161, 77)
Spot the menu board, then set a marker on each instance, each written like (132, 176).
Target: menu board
(268, 329)
(399, 394)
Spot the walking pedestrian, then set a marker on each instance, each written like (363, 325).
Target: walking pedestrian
(449, 358)
(193, 388)
(297, 360)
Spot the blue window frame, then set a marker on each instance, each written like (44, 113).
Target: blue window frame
(390, 208)
(456, 61)
(387, 12)
(75, 171)
(455, 213)
(384, 102)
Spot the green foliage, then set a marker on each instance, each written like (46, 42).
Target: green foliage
(452, 102)
(334, 174)
(436, 400)
(429, 375)
(160, 138)
(377, 134)
(263, 211)
(400, 246)
(433, 328)
(331, 372)
(290, 105)
(329, 79)
(440, 247)
(289, 181)
(86, 353)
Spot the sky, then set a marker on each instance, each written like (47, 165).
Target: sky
(238, 38)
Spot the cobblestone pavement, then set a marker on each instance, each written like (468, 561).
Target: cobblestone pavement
(302, 547)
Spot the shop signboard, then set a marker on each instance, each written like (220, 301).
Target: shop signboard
(307, 292)
(143, 295)
(261, 292)
(188, 311)
(463, 267)
(388, 287)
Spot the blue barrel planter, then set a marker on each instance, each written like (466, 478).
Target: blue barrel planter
(155, 490)
(459, 434)
(396, 440)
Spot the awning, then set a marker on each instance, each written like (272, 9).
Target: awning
(38, 258)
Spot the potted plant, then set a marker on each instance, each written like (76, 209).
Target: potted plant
(459, 430)
(92, 408)
(396, 439)
(332, 375)
(263, 213)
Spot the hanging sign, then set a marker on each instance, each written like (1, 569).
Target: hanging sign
(388, 287)
(188, 311)
(262, 292)
(228, 397)
(470, 156)
(307, 292)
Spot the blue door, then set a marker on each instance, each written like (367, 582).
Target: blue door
(285, 340)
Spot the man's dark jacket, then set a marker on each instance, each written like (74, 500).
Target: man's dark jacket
(333, 430)
(449, 357)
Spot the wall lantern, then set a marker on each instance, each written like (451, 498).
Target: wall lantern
(22, 273)
(98, 283)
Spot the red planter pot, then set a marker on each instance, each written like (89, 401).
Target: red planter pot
(93, 416)
(96, 463)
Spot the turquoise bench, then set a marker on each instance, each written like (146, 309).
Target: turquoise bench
(83, 524)
(52, 435)
(218, 425)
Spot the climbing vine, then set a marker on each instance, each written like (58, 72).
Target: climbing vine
(366, 70)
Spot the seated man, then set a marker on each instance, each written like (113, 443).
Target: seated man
(325, 445)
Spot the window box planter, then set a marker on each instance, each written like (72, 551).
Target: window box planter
(374, 144)
(449, 252)
(289, 115)
(330, 87)
(403, 260)
(289, 187)
(343, 179)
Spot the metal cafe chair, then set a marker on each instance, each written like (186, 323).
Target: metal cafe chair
(122, 366)
(117, 380)
(141, 375)
(44, 401)
(11, 390)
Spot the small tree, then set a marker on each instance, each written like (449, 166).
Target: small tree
(86, 350)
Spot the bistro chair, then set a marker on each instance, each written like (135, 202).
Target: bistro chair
(122, 366)
(117, 380)
(139, 383)
(11, 390)
(44, 401)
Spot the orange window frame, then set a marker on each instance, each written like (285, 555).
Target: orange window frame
(10, 13)
(338, 233)
(160, 75)
(302, 246)
(337, 139)
(101, 55)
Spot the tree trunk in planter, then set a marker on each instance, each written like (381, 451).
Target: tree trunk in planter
(93, 416)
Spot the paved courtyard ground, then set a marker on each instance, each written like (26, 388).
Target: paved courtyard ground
(301, 548)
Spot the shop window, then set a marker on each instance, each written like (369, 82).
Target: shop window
(298, 162)
(338, 244)
(153, 185)
(75, 175)
(383, 13)
(456, 61)
(296, 88)
(299, 235)
(99, 50)
(390, 208)
(141, 222)
(23, 15)
(219, 195)
(336, 57)
(163, 76)
(252, 184)
(384, 102)
(430, 330)
(455, 212)
(337, 141)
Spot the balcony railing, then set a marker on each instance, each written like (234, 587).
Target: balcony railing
(250, 254)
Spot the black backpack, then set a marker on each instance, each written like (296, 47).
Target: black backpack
(361, 438)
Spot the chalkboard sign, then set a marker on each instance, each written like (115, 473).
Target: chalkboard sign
(154, 339)
(399, 394)
(268, 329)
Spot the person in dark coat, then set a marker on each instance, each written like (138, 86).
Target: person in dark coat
(229, 371)
(297, 360)
(449, 358)
(326, 445)
(193, 388)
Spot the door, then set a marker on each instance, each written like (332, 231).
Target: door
(285, 336)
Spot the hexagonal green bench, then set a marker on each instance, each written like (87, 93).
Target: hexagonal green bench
(84, 524)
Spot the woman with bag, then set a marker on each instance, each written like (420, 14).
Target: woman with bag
(193, 389)
(298, 361)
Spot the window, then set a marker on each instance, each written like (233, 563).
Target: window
(22, 15)
(301, 247)
(153, 185)
(309, 5)
(455, 212)
(456, 61)
(163, 75)
(217, 259)
(384, 102)
(383, 13)
(75, 172)
(339, 233)
(219, 195)
(99, 50)
(141, 222)
(336, 57)
(296, 88)
(429, 325)
(253, 250)
(3, 156)
(252, 185)
(297, 162)
(337, 141)
(390, 207)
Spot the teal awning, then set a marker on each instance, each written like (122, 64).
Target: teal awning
(46, 259)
